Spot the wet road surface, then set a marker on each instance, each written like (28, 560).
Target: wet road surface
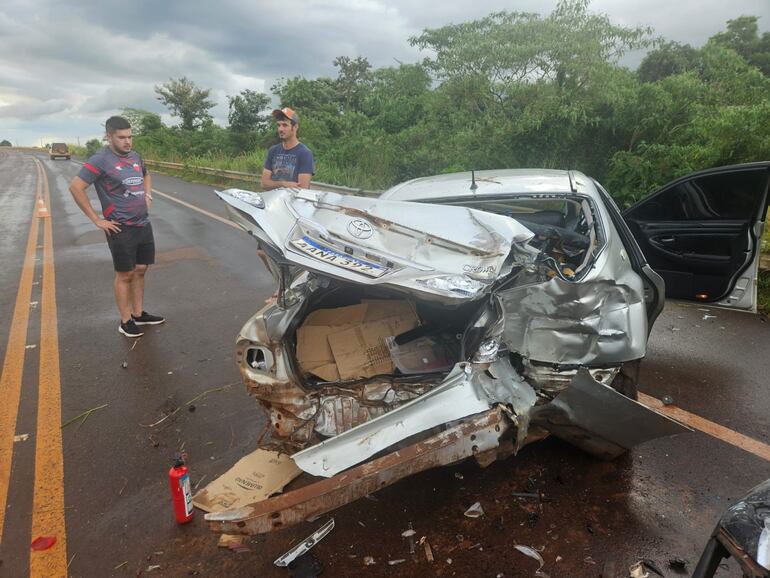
(659, 502)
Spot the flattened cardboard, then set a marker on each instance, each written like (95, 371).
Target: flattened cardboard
(252, 479)
(361, 351)
(353, 338)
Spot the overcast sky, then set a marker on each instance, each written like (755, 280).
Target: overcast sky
(66, 66)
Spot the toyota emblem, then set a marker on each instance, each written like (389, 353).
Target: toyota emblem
(360, 229)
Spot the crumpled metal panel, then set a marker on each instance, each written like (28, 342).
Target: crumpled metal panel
(601, 421)
(338, 412)
(414, 241)
(467, 390)
(598, 321)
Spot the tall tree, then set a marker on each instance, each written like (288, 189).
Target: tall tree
(185, 100)
(668, 59)
(247, 111)
(742, 35)
(142, 121)
(354, 80)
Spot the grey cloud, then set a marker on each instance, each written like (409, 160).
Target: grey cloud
(28, 110)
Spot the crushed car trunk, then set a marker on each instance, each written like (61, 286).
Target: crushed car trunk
(397, 321)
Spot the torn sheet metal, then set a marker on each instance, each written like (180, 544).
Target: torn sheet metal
(601, 421)
(454, 399)
(473, 436)
(304, 546)
(596, 322)
(467, 390)
(437, 251)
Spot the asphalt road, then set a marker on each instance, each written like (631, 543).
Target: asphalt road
(111, 512)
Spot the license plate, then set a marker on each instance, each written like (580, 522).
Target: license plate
(329, 255)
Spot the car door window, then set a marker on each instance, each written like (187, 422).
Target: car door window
(721, 197)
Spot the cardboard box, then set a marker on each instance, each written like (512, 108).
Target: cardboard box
(349, 342)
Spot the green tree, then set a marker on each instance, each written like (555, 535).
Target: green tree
(668, 59)
(5, 143)
(354, 80)
(185, 100)
(93, 145)
(742, 35)
(247, 111)
(142, 121)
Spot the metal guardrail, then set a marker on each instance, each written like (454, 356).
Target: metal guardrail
(253, 178)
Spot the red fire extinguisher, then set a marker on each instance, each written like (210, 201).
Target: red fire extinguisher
(181, 496)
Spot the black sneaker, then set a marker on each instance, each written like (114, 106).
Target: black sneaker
(147, 319)
(129, 329)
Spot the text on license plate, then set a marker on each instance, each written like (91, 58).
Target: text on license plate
(329, 255)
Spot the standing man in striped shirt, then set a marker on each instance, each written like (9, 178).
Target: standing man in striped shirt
(124, 188)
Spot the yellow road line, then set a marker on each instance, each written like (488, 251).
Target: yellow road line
(48, 501)
(720, 432)
(198, 209)
(13, 366)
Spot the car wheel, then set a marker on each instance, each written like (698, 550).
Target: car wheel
(626, 380)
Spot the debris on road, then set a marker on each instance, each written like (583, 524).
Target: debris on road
(20, 438)
(640, 569)
(307, 566)
(396, 562)
(475, 511)
(306, 544)
(196, 398)
(534, 554)
(427, 548)
(226, 539)
(533, 495)
(119, 566)
(43, 542)
(369, 561)
(153, 567)
(678, 565)
(410, 534)
(252, 479)
(83, 415)
(667, 400)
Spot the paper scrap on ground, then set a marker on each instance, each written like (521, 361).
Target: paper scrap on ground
(252, 479)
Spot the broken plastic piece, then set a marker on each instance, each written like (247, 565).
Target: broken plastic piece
(306, 544)
(43, 542)
(532, 553)
(475, 511)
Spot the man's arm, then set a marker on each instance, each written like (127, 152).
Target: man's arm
(78, 189)
(148, 190)
(268, 183)
(305, 168)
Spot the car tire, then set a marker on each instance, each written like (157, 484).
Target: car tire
(626, 380)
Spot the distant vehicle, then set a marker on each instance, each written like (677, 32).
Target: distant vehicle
(59, 149)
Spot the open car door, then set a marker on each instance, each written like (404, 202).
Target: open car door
(702, 233)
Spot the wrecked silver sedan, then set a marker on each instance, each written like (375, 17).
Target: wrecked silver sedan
(454, 316)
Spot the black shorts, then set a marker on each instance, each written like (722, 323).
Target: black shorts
(131, 247)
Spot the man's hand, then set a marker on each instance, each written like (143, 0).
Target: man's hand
(107, 226)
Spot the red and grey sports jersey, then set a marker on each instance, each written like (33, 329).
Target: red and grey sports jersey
(119, 182)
